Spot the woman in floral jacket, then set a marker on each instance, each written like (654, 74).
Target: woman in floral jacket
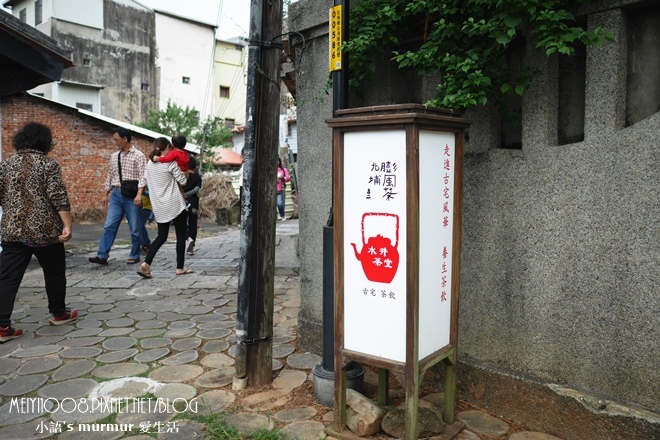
(36, 220)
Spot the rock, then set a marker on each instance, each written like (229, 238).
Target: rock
(363, 417)
(222, 217)
(429, 422)
(532, 435)
(483, 423)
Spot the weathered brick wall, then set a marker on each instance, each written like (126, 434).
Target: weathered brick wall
(83, 146)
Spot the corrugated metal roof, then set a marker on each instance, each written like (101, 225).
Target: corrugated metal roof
(134, 128)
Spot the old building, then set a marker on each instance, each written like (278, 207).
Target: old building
(113, 47)
(83, 145)
(28, 57)
(130, 59)
(184, 62)
(230, 89)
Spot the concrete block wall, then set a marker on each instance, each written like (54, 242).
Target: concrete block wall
(560, 267)
(83, 146)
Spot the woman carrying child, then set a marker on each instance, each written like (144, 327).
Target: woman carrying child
(163, 181)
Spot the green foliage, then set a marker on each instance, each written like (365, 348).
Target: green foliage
(210, 133)
(465, 40)
(217, 428)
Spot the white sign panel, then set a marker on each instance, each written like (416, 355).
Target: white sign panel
(375, 243)
(436, 213)
(284, 130)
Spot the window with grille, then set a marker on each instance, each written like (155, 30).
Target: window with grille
(37, 12)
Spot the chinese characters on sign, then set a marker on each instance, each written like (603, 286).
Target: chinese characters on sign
(446, 217)
(335, 37)
(383, 177)
(145, 427)
(379, 258)
(374, 242)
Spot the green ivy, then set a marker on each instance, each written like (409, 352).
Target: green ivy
(465, 40)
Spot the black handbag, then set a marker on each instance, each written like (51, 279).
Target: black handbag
(128, 188)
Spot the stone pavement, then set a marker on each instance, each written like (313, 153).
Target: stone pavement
(143, 351)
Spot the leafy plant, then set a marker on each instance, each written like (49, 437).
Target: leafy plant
(217, 428)
(209, 134)
(464, 40)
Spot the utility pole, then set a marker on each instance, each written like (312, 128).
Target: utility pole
(323, 374)
(254, 318)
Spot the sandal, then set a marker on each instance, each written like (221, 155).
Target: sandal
(132, 260)
(145, 273)
(185, 272)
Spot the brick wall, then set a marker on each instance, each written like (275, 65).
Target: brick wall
(83, 146)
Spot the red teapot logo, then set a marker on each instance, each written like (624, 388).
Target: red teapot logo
(379, 258)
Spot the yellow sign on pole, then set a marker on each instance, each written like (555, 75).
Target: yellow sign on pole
(335, 37)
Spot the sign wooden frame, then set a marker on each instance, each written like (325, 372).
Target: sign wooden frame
(413, 119)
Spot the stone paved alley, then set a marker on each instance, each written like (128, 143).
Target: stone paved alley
(170, 337)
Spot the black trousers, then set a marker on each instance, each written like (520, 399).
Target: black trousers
(15, 260)
(180, 227)
(193, 215)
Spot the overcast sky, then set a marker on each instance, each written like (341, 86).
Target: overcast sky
(233, 16)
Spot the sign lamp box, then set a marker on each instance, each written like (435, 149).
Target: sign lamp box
(398, 173)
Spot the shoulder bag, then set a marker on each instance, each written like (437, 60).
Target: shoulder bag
(129, 188)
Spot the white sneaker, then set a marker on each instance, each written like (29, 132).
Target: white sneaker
(190, 245)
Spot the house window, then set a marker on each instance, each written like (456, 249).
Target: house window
(511, 117)
(37, 12)
(83, 106)
(87, 62)
(224, 92)
(642, 88)
(185, 80)
(572, 89)
(145, 87)
(22, 15)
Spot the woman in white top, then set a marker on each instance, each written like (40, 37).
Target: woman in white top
(168, 204)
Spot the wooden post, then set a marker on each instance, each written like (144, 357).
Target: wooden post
(449, 406)
(257, 265)
(340, 369)
(383, 386)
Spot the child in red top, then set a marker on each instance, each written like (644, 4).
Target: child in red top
(178, 154)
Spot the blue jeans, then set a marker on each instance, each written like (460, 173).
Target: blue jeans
(144, 234)
(280, 203)
(118, 207)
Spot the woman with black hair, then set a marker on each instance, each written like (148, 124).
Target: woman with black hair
(36, 221)
(167, 204)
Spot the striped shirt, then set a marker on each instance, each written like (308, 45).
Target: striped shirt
(132, 167)
(167, 202)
